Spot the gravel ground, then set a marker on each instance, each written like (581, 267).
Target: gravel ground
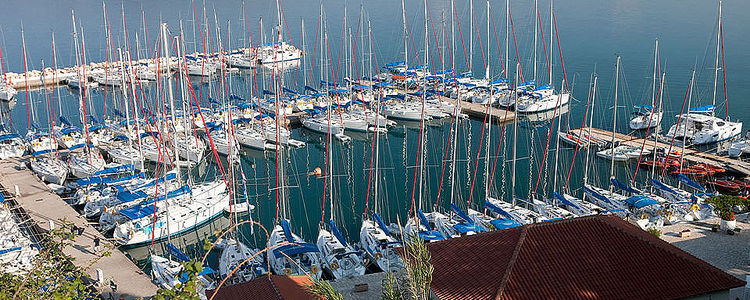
(730, 253)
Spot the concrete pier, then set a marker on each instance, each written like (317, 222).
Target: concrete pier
(690, 155)
(37, 202)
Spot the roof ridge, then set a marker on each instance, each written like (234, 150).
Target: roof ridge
(273, 284)
(666, 246)
(512, 262)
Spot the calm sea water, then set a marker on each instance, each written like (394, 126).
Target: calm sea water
(591, 34)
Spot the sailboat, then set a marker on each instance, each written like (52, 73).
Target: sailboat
(700, 126)
(167, 273)
(235, 252)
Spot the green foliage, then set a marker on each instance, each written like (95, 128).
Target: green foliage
(418, 268)
(727, 205)
(654, 231)
(53, 276)
(323, 290)
(391, 288)
(187, 290)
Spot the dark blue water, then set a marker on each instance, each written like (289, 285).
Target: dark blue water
(591, 34)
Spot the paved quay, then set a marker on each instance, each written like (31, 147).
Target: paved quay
(42, 205)
(730, 253)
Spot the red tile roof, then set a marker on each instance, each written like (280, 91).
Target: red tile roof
(597, 257)
(270, 287)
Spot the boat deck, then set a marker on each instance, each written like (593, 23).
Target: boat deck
(38, 205)
(690, 155)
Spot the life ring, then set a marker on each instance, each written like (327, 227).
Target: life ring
(131, 233)
(314, 269)
(287, 271)
(378, 255)
(334, 266)
(695, 207)
(644, 216)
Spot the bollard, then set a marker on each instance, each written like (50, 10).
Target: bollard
(51, 225)
(18, 192)
(99, 275)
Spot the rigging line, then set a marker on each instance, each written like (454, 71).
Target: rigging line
(479, 38)
(461, 35)
(724, 70)
(499, 50)
(546, 56)
(515, 43)
(559, 48)
(648, 128)
(315, 48)
(575, 152)
(677, 126)
(434, 34)
(476, 165)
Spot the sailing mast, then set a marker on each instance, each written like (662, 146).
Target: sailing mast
(457, 109)
(658, 125)
(422, 131)
(471, 35)
(489, 112)
(551, 39)
(614, 126)
(406, 36)
(684, 127)
(515, 140)
(536, 28)
(716, 65)
(588, 139)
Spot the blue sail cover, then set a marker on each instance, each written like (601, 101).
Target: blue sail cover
(466, 227)
(565, 201)
(116, 170)
(294, 249)
(705, 108)
(504, 223)
(287, 231)
(176, 193)
(70, 129)
(336, 232)
(641, 201)
(2, 198)
(9, 136)
(430, 236)
(624, 186)
(309, 88)
(496, 209)
(65, 121)
(126, 196)
(658, 184)
(530, 82)
(288, 91)
(503, 80)
(544, 87)
(423, 219)
(596, 195)
(380, 223)
(177, 253)
(42, 152)
(136, 212)
(684, 179)
(458, 211)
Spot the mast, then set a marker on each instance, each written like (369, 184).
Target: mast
(653, 84)
(487, 67)
(422, 131)
(551, 38)
(614, 124)
(588, 139)
(515, 141)
(507, 35)
(304, 65)
(406, 35)
(658, 125)
(29, 104)
(489, 112)
(536, 28)
(471, 35)
(456, 111)
(171, 93)
(684, 127)
(377, 123)
(716, 65)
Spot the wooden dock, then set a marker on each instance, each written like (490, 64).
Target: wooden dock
(37, 202)
(690, 155)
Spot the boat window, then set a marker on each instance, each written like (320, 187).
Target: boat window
(719, 123)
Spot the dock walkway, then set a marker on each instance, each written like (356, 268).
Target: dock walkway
(690, 155)
(39, 203)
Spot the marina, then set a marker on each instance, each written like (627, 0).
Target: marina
(268, 149)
